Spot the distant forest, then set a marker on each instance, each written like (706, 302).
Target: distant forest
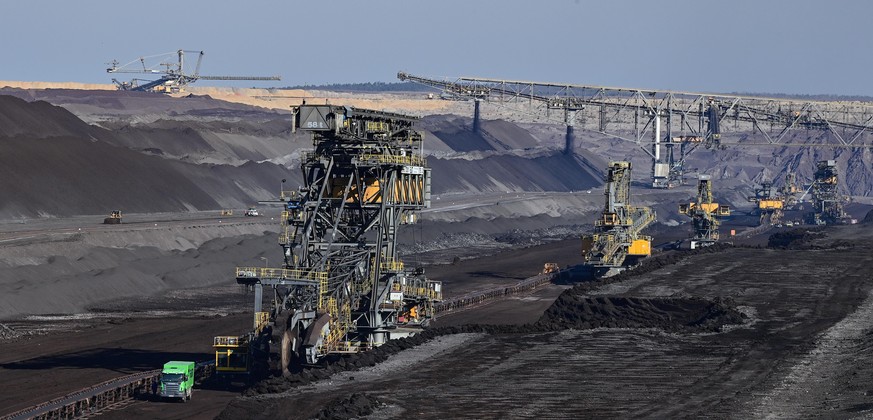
(379, 87)
(375, 87)
(819, 97)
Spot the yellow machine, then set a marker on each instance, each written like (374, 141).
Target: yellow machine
(771, 207)
(549, 268)
(114, 218)
(231, 354)
(227, 212)
(341, 286)
(640, 247)
(704, 214)
(617, 242)
(237, 354)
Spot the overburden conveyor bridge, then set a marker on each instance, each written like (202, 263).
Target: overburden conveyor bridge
(670, 125)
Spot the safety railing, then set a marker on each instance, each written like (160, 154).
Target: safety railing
(393, 159)
(377, 126)
(287, 236)
(391, 266)
(339, 323)
(351, 346)
(261, 320)
(228, 341)
(288, 194)
(288, 216)
(421, 292)
(322, 291)
(279, 273)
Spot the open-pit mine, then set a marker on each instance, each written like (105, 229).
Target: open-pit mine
(469, 248)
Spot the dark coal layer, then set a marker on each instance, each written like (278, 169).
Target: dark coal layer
(355, 406)
(794, 238)
(556, 172)
(670, 314)
(868, 218)
(573, 309)
(55, 164)
(675, 315)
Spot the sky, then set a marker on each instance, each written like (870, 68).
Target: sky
(748, 46)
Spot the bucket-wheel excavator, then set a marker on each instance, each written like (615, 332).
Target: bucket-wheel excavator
(617, 242)
(343, 288)
(705, 214)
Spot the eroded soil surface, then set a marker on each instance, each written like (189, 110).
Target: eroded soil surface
(799, 350)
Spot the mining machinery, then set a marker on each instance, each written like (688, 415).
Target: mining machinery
(243, 357)
(616, 242)
(342, 287)
(704, 214)
(770, 207)
(679, 122)
(114, 218)
(173, 75)
(826, 198)
(790, 189)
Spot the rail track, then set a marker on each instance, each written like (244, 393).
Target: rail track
(96, 398)
(90, 400)
(112, 393)
(480, 297)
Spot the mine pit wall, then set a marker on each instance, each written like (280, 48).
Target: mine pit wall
(571, 206)
(66, 273)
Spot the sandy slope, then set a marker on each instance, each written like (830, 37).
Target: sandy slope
(70, 270)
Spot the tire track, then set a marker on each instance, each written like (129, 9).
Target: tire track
(815, 384)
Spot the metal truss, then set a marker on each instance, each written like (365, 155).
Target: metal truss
(342, 285)
(826, 198)
(705, 214)
(617, 242)
(690, 119)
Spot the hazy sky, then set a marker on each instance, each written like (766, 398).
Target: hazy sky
(797, 46)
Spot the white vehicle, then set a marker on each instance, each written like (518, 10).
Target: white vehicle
(252, 212)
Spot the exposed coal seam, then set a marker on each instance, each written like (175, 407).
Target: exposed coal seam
(571, 310)
(357, 405)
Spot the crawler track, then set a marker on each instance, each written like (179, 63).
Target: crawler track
(108, 394)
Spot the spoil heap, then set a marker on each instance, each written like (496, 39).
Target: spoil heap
(55, 164)
(578, 311)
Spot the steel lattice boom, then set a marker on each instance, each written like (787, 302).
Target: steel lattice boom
(705, 214)
(680, 122)
(616, 242)
(826, 198)
(174, 75)
(343, 287)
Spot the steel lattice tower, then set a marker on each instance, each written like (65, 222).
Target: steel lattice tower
(342, 287)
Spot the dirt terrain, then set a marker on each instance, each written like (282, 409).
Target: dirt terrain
(798, 351)
(749, 332)
(132, 335)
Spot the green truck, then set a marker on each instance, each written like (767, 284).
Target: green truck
(177, 380)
